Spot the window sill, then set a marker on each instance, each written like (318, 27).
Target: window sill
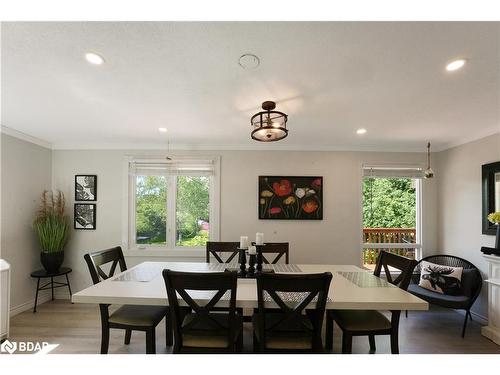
(172, 253)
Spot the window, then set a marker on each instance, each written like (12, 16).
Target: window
(172, 204)
(391, 212)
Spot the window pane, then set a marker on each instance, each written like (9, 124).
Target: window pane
(192, 214)
(389, 215)
(151, 210)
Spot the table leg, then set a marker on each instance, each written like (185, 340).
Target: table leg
(69, 287)
(36, 295)
(52, 287)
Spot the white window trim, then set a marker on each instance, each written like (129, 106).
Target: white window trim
(419, 245)
(128, 212)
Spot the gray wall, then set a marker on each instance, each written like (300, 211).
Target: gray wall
(335, 239)
(26, 172)
(458, 174)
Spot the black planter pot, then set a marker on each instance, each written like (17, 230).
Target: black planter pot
(52, 261)
(497, 242)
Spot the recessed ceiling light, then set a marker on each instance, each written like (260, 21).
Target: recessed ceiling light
(361, 131)
(249, 61)
(162, 130)
(94, 58)
(455, 65)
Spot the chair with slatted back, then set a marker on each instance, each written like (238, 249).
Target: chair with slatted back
(279, 248)
(201, 328)
(215, 248)
(370, 322)
(291, 328)
(127, 317)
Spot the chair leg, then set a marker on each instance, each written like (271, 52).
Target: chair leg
(169, 330)
(104, 339)
(151, 341)
(406, 313)
(394, 342)
(329, 333)
(128, 335)
(465, 322)
(346, 343)
(373, 347)
(470, 316)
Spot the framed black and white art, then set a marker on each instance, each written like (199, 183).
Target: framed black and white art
(86, 187)
(85, 216)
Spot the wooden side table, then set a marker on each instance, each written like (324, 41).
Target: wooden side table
(43, 274)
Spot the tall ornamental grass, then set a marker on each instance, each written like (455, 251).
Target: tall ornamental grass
(51, 223)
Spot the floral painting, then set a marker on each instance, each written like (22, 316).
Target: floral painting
(291, 198)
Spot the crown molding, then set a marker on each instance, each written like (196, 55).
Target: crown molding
(25, 137)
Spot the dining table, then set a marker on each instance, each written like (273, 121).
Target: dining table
(351, 287)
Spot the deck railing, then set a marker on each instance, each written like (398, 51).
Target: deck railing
(387, 235)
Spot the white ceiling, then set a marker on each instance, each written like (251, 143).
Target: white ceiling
(330, 77)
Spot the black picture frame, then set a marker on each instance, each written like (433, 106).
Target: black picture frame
(279, 194)
(488, 172)
(86, 187)
(81, 212)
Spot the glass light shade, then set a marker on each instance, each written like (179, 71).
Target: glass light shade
(269, 126)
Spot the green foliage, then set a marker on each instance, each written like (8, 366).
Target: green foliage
(388, 203)
(51, 224)
(192, 208)
(192, 205)
(151, 209)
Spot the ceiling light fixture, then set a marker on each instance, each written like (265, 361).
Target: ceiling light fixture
(162, 130)
(249, 61)
(428, 173)
(269, 125)
(361, 131)
(455, 65)
(94, 58)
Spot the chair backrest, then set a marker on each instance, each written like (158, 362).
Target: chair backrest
(97, 259)
(179, 283)
(215, 247)
(386, 261)
(452, 261)
(278, 248)
(307, 288)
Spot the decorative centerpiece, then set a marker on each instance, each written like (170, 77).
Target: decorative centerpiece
(51, 226)
(494, 218)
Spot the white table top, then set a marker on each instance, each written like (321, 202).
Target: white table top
(351, 288)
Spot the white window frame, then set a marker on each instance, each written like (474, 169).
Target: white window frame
(418, 245)
(129, 243)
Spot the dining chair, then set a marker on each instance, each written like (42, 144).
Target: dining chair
(371, 322)
(199, 328)
(279, 248)
(295, 327)
(127, 317)
(215, 248)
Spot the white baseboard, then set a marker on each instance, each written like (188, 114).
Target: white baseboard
(29, 305)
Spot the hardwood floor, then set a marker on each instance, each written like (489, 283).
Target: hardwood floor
(76, 328)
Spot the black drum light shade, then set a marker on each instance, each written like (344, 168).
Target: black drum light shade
(269, 125)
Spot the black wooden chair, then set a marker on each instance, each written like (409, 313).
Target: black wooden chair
(471, 284)
(199, 329)
(292, 328)
(280, 249)
(370, 322)
(215, 248)
(127, 317)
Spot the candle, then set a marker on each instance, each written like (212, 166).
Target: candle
(259, 238)
(252, 250)
(243, 242)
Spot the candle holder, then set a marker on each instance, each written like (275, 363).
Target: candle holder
(251, 265)
(259, 256)
(242, 260)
